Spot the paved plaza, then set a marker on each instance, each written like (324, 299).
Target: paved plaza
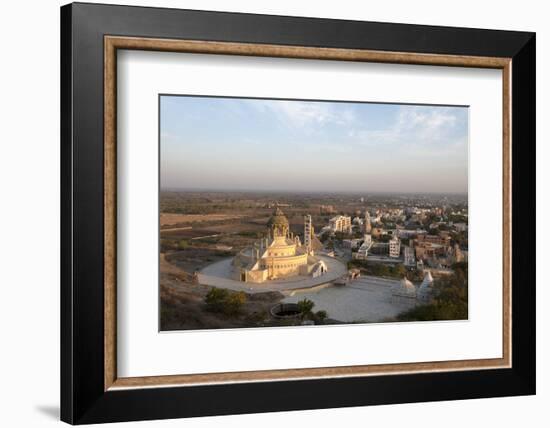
(366, 299)
(219, 275)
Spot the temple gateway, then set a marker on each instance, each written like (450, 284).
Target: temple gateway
(280, 254)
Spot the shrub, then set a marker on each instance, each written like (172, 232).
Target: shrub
(234, 303)
(320, 317)
(221, 300)
(215, 299)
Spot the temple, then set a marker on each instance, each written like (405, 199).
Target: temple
(280, 254)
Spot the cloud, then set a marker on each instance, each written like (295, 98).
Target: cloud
(426, 122)
(417, 127)
(306, 114)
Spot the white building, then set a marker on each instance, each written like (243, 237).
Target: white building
(408, 256)
(367, 223)
(395, 247)
(363, 250)
(340, 223)
(461, 227)
(351, 243)
(308, 233)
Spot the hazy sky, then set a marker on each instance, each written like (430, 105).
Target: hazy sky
(257, 144)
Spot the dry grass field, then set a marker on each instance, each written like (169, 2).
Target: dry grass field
(170, 219)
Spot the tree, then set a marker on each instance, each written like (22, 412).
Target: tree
(399, 271)
(305, 307)
(320, 316)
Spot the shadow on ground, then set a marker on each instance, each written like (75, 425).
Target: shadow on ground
(50, 411)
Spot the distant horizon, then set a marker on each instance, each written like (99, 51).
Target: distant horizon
(269, 145)
(343, 192)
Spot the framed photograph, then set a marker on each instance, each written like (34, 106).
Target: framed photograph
(276, 213)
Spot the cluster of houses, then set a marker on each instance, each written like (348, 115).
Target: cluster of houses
(429, 246)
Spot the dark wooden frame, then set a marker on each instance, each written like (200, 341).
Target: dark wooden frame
(87, 33)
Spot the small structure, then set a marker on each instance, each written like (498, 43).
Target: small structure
(363, 250)
(318, 269)
(352, 275)
(425, 291)
(404, 292)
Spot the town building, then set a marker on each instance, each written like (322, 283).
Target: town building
(427, 250)
(457, 254)
(358, 221)
(340, 223)
(461, 227)
(408, 257)
(410, 233)
(395, 247)
(443, 239)
(326, 209)
(363, 250)
(367, 223)
(351, 243)
(377, 232)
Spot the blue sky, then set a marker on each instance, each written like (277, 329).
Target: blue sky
(276, 145)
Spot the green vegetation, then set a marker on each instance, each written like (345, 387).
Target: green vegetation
(321, 316)
(222, 301)
(378, 269)
(305, 306)
(450, 301)
(167, 245)
(458, 218)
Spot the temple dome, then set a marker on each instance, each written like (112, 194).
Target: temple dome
(278, 218)
(404, 288)
(425, 290)
(427, 282)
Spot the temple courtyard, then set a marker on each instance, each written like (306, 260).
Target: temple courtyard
(366, 299)
(220, 274)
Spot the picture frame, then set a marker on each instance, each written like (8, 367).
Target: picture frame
(91, 390)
